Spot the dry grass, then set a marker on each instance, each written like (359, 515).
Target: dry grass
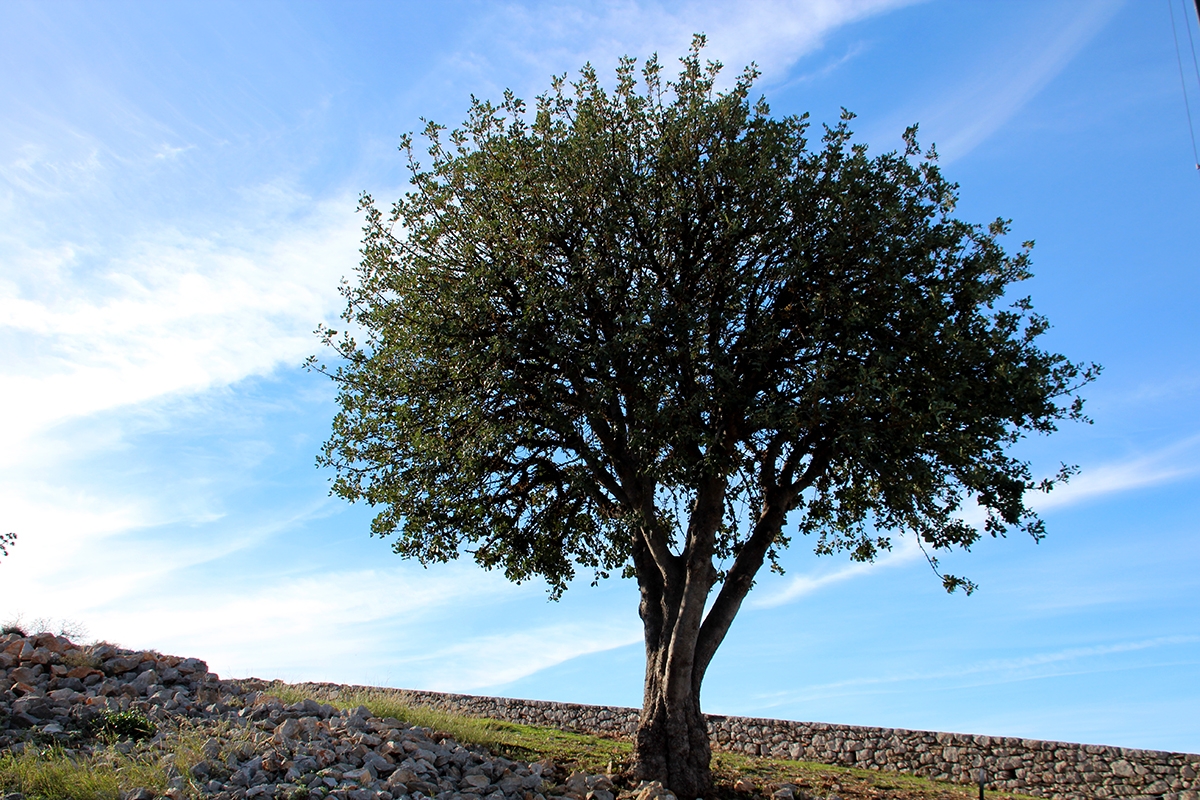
(56, 774)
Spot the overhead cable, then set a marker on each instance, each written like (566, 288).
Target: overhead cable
(1182, 80)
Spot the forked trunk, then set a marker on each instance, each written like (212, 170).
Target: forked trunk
(672, 739)
(671, 745)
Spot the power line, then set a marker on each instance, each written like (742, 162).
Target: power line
(1191, 42)
(1182, 80)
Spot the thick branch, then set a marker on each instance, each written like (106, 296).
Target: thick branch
(740, 579)
(698, 580)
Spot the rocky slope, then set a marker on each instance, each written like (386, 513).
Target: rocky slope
(248, 744)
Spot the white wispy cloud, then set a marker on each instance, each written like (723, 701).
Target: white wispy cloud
(995, 91)
(142, 593)
(35, 169)
(389, 625)
(827, 69)
(514, 654)
(799, 586)
(994, 671)
(171, 313)
(556, 39)
(1173, 462)
(342, 623)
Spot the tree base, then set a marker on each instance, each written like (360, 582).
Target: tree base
(672, 747)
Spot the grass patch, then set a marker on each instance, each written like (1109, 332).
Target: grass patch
(518, 742)
(113, 726)
(593, 754)
(56, 774)
(821, 780)
(114, 768)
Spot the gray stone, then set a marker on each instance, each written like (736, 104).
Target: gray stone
(652, 790)
(576, 783)
(378, 764)
(36, 707)
(118, 665)
(26, 674)
(360, 776)
(599, 782)
(288, 729)
(144, 681)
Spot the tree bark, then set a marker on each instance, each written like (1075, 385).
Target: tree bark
(672, 741)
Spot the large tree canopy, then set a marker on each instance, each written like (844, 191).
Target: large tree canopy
(650, 330)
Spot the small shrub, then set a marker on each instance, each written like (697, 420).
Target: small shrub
(72, 629)
(39, 625)
(75, 631)
(15, 625)
(81, 658)
(114, 725)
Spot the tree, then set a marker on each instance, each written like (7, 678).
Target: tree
(651, 331)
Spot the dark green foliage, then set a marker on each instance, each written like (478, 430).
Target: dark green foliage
(12, 627)
(573, 321)
(116, 725)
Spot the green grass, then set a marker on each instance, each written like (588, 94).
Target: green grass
(518, 742)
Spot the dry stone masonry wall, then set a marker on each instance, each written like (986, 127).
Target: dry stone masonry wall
(1028, 766)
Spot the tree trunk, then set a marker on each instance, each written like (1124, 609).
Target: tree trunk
(672, 745)
(672, 737)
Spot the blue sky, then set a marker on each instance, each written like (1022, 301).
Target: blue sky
(177, 194)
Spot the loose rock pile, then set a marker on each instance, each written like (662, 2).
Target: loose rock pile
(259, 747)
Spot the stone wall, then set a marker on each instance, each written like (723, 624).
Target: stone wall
(1029, 766)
